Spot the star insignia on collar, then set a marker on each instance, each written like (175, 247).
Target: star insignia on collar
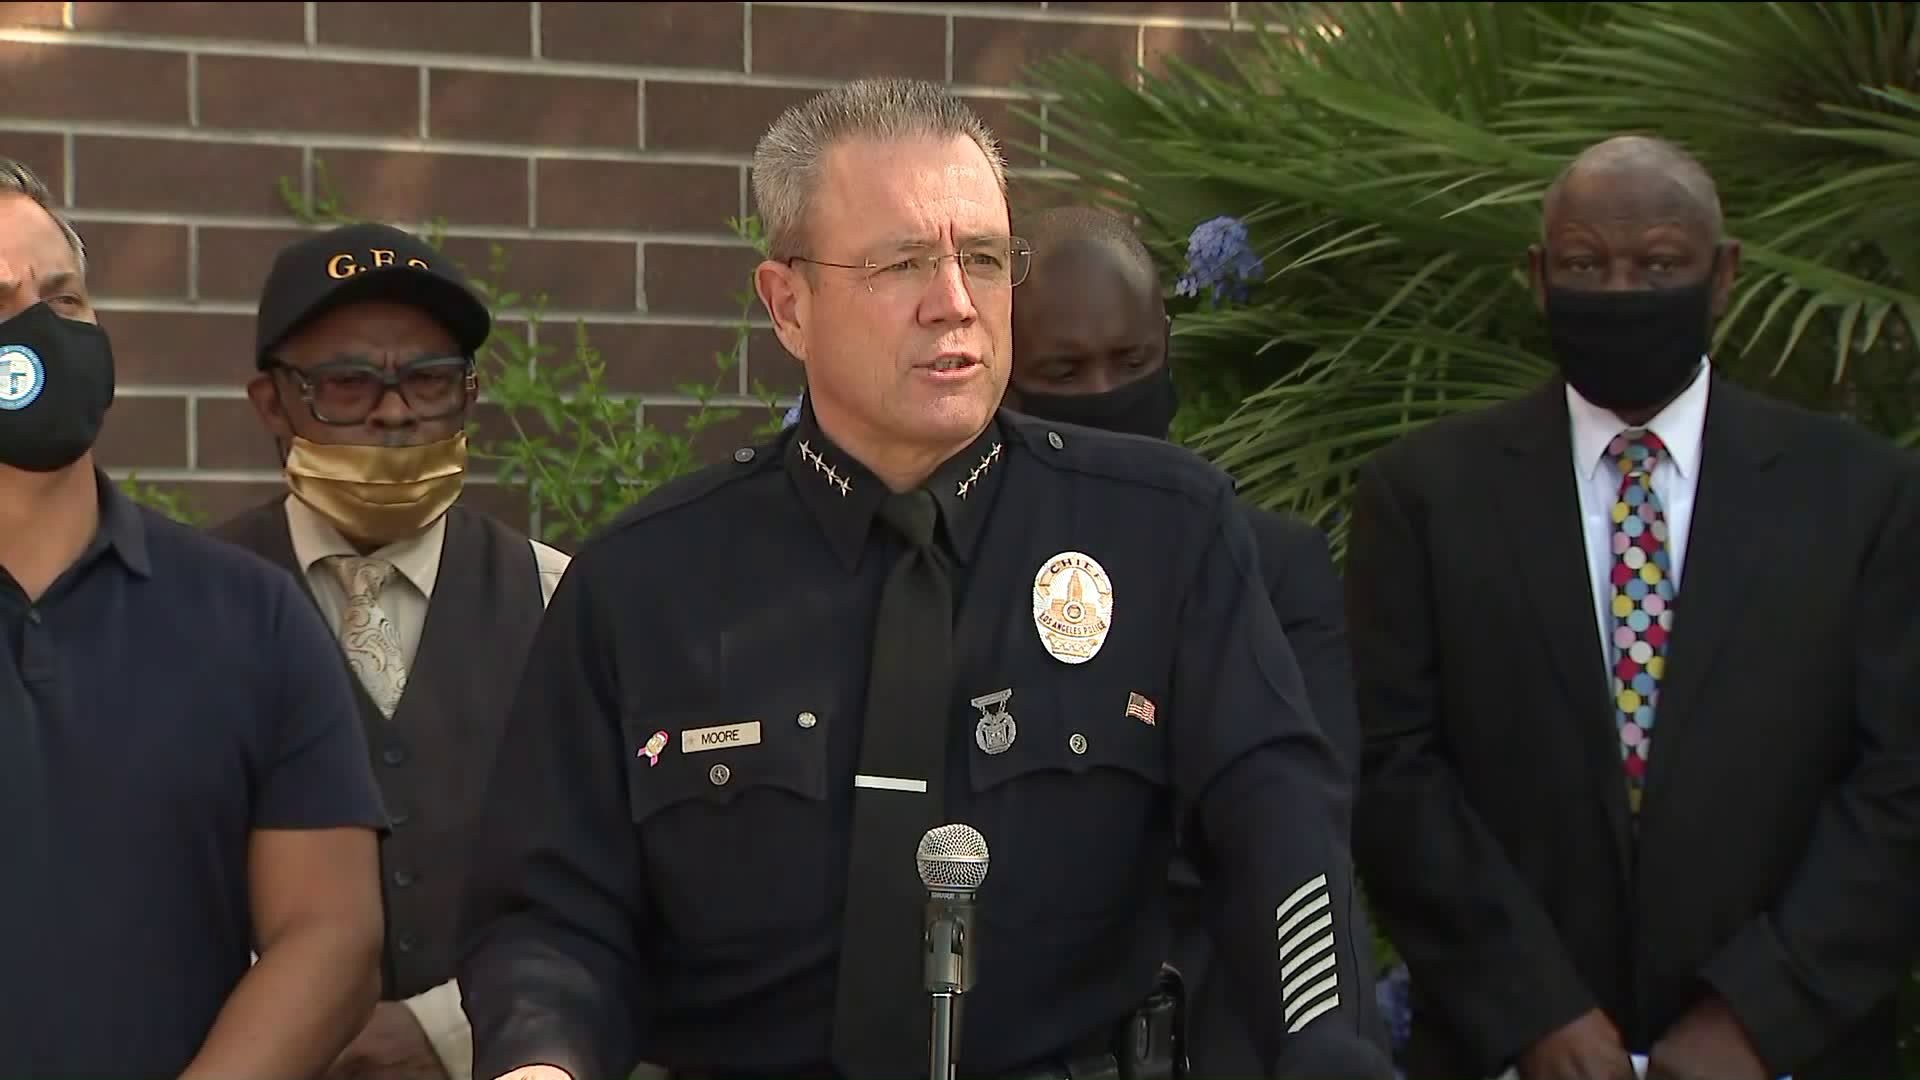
(819, 463)
(986, 462)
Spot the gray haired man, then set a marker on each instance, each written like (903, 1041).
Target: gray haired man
(758, 691)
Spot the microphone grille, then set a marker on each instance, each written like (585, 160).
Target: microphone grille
(952, 857)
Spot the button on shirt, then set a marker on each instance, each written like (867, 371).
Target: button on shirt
(670, 829)
(1681, 427)
(167, 693)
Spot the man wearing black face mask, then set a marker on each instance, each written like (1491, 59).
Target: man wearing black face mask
(1641, 548)
(1090, 336)
(181, 786)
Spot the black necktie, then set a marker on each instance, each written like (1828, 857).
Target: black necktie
(881, 1011)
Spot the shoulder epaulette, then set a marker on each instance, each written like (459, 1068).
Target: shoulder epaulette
(1125, 459)
(743, 463)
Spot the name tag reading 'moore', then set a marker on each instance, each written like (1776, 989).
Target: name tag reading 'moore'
(715, 738)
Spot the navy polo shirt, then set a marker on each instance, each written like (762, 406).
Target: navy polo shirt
(169, 695)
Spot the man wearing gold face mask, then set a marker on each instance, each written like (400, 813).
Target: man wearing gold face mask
(365, 346)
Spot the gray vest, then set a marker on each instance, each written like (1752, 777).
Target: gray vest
(434, 757)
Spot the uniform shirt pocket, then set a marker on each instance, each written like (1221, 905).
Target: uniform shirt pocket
(733, 822)
(1071, 804)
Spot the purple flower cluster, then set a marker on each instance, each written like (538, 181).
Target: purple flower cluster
(1220, 261)
(1394, 995)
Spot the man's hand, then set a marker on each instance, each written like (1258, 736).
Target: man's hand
(1587, 1049)
(391, 1047)
(1706, 1044)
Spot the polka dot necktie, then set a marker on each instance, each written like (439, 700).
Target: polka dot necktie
(1641, 602)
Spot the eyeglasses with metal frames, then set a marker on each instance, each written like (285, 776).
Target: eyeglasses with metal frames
(998, 263)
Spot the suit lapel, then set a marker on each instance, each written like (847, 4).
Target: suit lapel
(1547, 547)
(1720, 570)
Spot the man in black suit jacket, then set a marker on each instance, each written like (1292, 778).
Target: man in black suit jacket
(1537, 590)
(1090, 335)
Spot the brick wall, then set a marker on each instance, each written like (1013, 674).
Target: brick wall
(604, 145)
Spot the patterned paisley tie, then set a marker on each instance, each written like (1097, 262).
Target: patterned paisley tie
(367, 636)
(1641, 602)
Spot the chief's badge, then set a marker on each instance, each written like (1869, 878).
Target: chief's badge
(1072, 606)
(996, 731)
(655, 744)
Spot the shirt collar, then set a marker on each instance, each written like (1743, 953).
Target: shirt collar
(416, 558)
(122, 530)
(844, 496)
(1681, 427)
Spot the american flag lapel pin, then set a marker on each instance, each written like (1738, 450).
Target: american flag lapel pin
(1140, 709)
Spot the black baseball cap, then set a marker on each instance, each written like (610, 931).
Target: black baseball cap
(365, 262)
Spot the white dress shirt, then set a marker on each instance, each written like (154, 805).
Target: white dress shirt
(1681, 426)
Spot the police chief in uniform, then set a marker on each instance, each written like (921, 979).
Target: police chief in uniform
(756, 691)
(365, 342)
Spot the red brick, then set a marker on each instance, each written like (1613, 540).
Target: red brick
(269, 94)
(152, 348)
(43, 152)
(126, 261)
(688, 279)
(241, 21)
(1179, 8)
(1198, 48)
(651, 359)
(234, 261)
(700, 35)
(829, 44)
(771, 368)
(230, 435)
(584, 194)
(999, 52)
(82, 82)
(40, 16)
(538, 110)
(495, 29)
(492, 432)
(1015, 132)
(575, 275)
(181, 176)
(403, 187)
(712, 118)
(144, 433)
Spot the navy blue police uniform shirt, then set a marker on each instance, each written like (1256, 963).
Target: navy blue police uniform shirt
(640, 901)
(166, 697)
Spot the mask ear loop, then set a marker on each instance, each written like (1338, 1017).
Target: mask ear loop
(281, 448)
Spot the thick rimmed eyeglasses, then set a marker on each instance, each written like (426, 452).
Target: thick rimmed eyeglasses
(999, 263)
(342, 393)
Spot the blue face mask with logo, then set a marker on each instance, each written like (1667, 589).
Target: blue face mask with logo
(56, 382)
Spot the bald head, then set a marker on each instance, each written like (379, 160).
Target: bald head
(1071, 228)
(1090, 316)
(1645, 163)
(1633, 213)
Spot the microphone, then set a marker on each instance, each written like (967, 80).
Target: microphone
(952, 861)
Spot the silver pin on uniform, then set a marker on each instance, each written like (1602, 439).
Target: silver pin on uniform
(995, 732)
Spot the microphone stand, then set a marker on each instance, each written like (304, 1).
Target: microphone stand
(949, 972)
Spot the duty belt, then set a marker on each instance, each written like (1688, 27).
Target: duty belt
(1148, 1045)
